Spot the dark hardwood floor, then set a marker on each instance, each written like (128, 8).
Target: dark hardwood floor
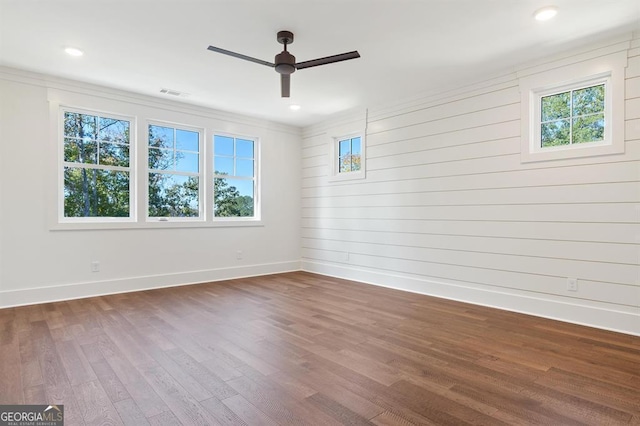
(298, 349)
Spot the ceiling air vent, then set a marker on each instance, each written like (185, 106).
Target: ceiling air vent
(173, 93)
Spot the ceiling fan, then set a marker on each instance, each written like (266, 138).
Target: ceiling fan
(285, 63)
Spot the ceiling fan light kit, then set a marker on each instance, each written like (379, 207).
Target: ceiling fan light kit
(285, 63)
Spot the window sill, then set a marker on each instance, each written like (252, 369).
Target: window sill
(345, 177)
(591, 149)
(175, 224)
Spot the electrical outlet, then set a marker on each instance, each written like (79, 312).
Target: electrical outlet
(95, 266)
(239, 255)
(572, 284)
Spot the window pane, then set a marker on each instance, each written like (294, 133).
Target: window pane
(588, 100)
(223, 166)
(112, 154)
(223, 145)
(71, 124)
(588, 129)
(80, 125)
(160, 159)
(555, 133)
(113, 130)
(160, 137)
(345, 147)
(173, 195)
(355, 162)
(187, 140)
(244, 148)
(233, 197)
(344, 164)
(355, 146)
(95, 193)
(244, 168)
(187, 162)
(80, 151)
(556, 106)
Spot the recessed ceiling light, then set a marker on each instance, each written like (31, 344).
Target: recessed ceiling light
(545, 13)
(74, 51)
(294, 107)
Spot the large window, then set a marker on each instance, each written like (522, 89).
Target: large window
(174, 172)
(96, 166)
(112, 171)
(234, 176)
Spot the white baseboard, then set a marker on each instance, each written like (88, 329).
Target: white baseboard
(572, 312)
(57, 293)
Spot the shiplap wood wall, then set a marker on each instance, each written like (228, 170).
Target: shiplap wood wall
(448, 208)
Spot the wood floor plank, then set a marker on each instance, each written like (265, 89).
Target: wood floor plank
(213, 384)
(115, 390)
(30, 366)
(247, 411)
(56, 384)
(221, 413)
(130, 413)
(182, 404)
(300, 348)
(75, 364)
(267, 401)
(165, 419)
(95, 406)
(337, 410)
(135, 384)
(35, 395)
(391, 419)
(11, 373)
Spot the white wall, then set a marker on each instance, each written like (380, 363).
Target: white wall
(39, 264)
(448, 209)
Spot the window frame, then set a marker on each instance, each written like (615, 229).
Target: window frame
(138, 114)
(257, 211)
(334, 154)
(62, 164)
(607, 70)
(571, 87)
(201, 173)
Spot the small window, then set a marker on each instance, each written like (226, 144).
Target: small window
(235, 170)
(573, 117)
(96, 166)
(574, 110)
(347, 157)
(174, 172)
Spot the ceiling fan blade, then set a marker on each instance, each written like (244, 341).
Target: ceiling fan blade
(240, 56)
(285, 85)
(327, 60)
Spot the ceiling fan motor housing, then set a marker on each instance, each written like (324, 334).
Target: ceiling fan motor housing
(285, 63)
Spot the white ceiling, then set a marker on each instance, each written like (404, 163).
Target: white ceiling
(408, 47)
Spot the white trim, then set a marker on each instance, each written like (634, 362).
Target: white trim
(160, 224)
(12, 298)
(334, 151)
(78, 89)
(61, 109)
(607, 69)
(572, 312)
